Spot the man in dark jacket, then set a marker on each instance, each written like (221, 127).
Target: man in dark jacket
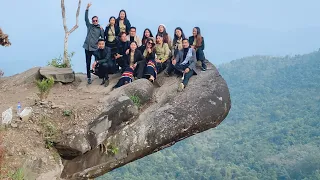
(104, 64)
(94, 32)
(122, 51)
(184, 63)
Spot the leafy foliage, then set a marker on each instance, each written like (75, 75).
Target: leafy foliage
(59, 63)
(1, 73)
(44, 87)
(49, 132)
(272, 131)
(67, 113)
(136, 100)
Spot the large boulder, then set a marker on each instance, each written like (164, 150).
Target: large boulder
(64, 75)
(166, 117)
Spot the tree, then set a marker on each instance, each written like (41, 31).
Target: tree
(67, 32)
(4, 39)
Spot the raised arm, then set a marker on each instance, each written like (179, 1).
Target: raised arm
(86, 16)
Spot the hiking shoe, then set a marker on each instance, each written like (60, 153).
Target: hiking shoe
(103, 81)
(203, 68)
(182, 77)
(181, 87)
(89, 81)
(166, 73)
(106, 83)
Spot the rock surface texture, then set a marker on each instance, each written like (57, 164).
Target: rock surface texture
(141, 118)
(64, 75)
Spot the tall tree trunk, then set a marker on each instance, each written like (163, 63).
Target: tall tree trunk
(66, 60)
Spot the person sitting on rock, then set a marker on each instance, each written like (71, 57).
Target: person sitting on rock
(197, 42)
(162, 53)
(123, 22)
(183, 64)
(149, 55)
(177, 41)
(122, 51)
(94, 32)
(133, 36)
(126, 77)
(111, 34)
(146, 34)
(104, 64)
(135, 57)
(166, 37)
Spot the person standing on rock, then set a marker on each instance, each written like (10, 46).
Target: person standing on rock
(104, 64)
(94, 32)
(184, 63)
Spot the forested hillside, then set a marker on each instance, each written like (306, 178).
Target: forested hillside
(272, 131)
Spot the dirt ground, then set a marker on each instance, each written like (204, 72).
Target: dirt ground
(24, 143)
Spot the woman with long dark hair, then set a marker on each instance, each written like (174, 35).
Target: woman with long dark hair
(110, 35)
(177, 41)
(149, 55)
(197, 42)
(146, 35)
(136, 58)
(123, 22)
(163, 32)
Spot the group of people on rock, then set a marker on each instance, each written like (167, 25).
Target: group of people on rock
(118, 45)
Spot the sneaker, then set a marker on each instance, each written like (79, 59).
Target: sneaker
(181, 87)
(89, 81)
(203, 68)
(106, 83)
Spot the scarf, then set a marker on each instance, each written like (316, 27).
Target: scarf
(187, 56)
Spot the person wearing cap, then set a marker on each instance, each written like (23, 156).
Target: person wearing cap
(183, 64)
(104, 64)
(197, 42)
(166, 37)
(162, 53)
(149, 55)
(94, 32)
(133, 36)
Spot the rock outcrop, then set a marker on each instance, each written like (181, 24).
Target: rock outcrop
(63, 75)
(140, 118)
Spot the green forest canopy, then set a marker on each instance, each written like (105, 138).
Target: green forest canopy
(272, 131)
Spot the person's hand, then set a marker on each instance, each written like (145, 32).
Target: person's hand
(158, 61)
(117, 56)
(192, 47)
(149, 50)
(101, 27)
(127, 51)
(88, 6)
(174, 62)
(186, 70)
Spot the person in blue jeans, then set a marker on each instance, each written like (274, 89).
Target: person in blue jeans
(183, 64)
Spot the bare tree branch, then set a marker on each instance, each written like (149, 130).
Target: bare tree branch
(64, 16)
(77, 18)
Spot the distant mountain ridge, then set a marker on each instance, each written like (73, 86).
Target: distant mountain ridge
(272, 131)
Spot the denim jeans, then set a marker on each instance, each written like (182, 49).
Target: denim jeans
(179, 69)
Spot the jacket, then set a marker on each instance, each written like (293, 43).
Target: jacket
(117, 32)
(126, 22)
(191, 39)
(103, 57)
(162, 52)
(122, 47)
(138, 57)
(93, 35)
(136, 39)
(192, 62)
